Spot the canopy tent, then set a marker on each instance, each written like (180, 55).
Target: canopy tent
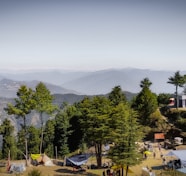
(77, 160)
(180, 154)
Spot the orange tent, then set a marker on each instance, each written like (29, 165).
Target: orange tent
(159, 136)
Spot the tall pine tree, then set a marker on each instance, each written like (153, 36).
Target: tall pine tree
(125, 135)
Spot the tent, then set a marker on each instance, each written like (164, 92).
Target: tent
(159, 136)
(17, 168)
(41, 159)
(183, 170)
(77, 160)
(181, 154)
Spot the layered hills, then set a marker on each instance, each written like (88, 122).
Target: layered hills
(88, 83)
(70, 86)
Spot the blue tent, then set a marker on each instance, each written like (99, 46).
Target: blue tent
(77, 160)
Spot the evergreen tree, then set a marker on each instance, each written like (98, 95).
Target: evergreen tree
(145, 83)
(145, 102)
(125, 133)
(94, 122)
(62, 131)
(75, 139)
(23, 106)
(20, 142)
(163, 99)
(178, 81)
(49, 134)
(33, 140)
(116, 96)
(9, 142)
(44, 104)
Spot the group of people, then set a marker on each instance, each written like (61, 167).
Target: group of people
(174, 164)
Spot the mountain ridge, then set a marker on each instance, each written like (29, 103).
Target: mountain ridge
(98, 82)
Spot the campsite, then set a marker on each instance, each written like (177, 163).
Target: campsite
(52, 167)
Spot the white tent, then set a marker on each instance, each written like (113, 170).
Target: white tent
(180, 154)
(183, 170)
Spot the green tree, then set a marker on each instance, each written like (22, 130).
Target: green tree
(75, 139)
(62, 131)
(117, 96)
(23, 106)
(9, 142)
(145, 83)
(49, 134)
(163, 98)
(20, 142)
(184, 90)
(145, 102)
(178, 81)
(94, 122)
(44, 101)
(125, 133)
(33, 140)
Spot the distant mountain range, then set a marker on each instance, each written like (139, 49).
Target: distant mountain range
(72, 87)
(87, 83)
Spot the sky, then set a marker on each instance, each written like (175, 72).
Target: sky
(93, 34)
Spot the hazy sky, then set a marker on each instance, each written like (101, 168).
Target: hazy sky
(93, 34)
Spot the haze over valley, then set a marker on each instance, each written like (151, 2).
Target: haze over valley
(86, 82)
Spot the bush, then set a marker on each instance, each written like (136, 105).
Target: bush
(34, 172)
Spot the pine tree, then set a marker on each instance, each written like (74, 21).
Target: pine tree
(116, 96)
(62, 131)
(145, 103)
(94, 122)
(23, 106)
(44, 104)
(48, 140)
(125, 133)
(33, 139)
(9, 142)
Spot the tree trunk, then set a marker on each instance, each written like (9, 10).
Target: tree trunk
(98, 154)
(26, 142)
(177, 99)
(41, 143)
(127, 170)
(122, 171)
(26, 151)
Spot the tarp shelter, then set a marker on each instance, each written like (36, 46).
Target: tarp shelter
(180, 154)
(41, 159)
(78, 160)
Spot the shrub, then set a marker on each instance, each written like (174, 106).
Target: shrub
(34, 172)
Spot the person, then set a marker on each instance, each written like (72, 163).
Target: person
(150, 172)
(164, 163)
(161, 155)
(108, 172)
(159, 146)
(154, 154)
(103, 173)
(145, 155)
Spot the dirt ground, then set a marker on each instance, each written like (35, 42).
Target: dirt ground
(154, 163)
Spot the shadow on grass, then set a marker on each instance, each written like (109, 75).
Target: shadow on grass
(69, 172)
(157, 167)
